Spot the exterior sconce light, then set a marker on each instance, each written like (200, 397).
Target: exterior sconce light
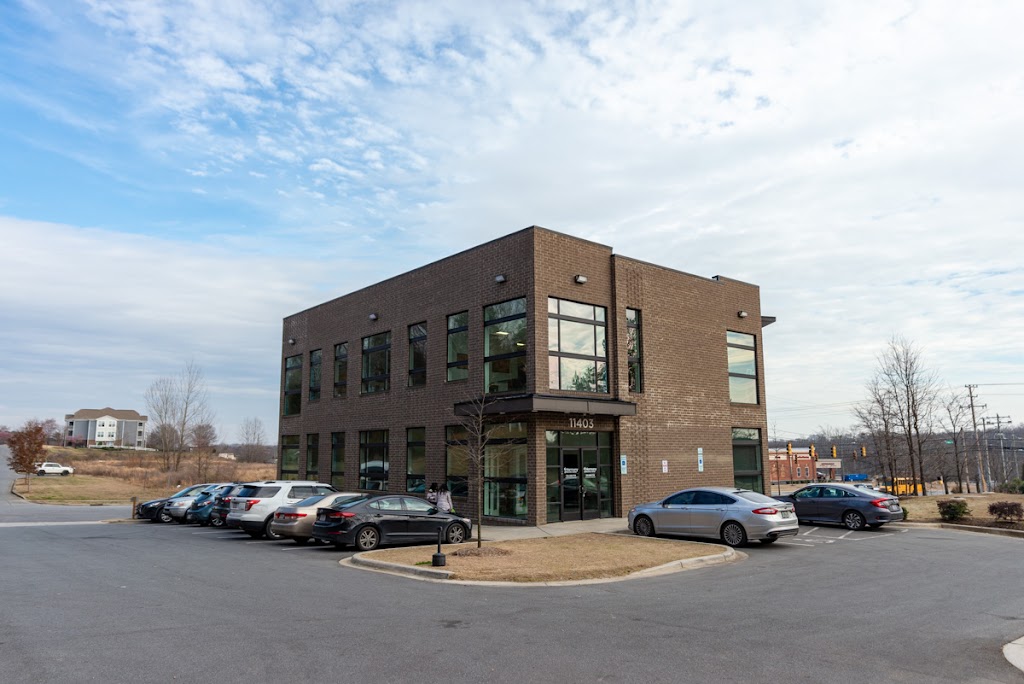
(291, 340)
(373, 317)
(580, 279)
(500, 278)
(741, 314)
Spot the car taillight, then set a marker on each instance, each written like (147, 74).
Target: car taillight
(227, 499)
(881, 503)
(340, 515)
(765, 511)
(250, 503)
(289, 516)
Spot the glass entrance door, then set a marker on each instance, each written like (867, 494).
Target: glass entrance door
(581, 497)
(590, 494)
(571, 484)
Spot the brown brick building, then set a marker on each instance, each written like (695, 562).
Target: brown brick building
(616, 381)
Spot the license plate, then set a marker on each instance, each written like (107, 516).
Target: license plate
(894, 508)
(787, 514)
(321, 517)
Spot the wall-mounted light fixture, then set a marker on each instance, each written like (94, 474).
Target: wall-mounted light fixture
(580, 279)
(500, 278)
(741, 314)
(291, 340)
(373, 317)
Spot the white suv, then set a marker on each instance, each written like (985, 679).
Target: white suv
(53, 469)
(253, 506)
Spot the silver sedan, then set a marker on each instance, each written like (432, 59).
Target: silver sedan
(295, 521)
(735, 516)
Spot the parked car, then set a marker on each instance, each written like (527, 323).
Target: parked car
(844, 504)
(154, 510)
(177, 506)
(222, 506)
(202, 505)
(253, 506)
(53, 469)
(369, 520)
(735, 516)
(296, 521)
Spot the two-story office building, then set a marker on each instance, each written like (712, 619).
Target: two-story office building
(615, 381)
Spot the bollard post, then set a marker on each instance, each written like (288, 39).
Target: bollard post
(135, 501)
(438, 561)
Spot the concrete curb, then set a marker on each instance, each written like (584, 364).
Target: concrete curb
(359, 561)
(1014, 653)
(1019, 534)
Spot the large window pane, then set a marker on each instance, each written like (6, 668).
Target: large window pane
(505, 375)
(743, 390)
(742, 361)
(577, 349)
(290, 453)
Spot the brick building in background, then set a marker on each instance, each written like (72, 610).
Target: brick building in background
(617, 381)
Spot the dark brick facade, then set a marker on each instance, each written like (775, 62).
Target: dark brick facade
(684, 404)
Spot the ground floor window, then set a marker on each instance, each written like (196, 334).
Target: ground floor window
(312, 457)
(578, 475)
(505, 472)
(416, 460)
(338, 459)
(289, 457)
(746, 459)
(373, 460)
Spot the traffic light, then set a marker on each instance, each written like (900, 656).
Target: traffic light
(811, 450)
(863, 452)
(833, 451)
(789, 449)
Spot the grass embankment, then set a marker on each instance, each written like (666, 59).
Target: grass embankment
(114, 477)
(924, 509)
(552, 559)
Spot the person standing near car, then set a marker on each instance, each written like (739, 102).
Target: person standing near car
(432, 493)
(444, 499)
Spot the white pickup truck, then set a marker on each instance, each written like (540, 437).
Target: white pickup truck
(53, 469)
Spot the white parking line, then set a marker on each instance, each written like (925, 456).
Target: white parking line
(846, 534)
(795, 544)
(206, 532)
(809, 531)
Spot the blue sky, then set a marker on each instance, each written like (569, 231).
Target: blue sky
(177, 177)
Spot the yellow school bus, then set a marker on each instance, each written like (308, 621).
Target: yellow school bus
(902, 486)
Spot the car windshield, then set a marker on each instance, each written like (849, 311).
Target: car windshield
(346, 502)
(756, 497)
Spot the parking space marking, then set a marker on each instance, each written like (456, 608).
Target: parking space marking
(207, 532)
(844, 536)
(788, 543)
(809, 531)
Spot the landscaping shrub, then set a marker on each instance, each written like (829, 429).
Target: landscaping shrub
(1011, 487)
(952, 510)
(1006, 511)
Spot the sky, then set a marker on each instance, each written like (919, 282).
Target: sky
(177, 177)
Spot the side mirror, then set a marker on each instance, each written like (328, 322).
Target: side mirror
(434, 510)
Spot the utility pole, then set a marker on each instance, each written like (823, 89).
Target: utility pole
(1002, 447)
(982, 484)
(988, 458)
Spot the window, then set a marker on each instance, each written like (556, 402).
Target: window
(746, 459)
(289, 457)
(742, 368)
(505, 346)
(338, 459)
(416, 460)
(341, 369)
(315, 358)
(634, 350)
(577, 347)
(312, 457)
(505, 472)
(293, 385)
(418, 355)
(457, 460)
(458, 346)
(376, 363)
(373, 460)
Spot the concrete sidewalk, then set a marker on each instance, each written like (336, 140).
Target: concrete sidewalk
(508, 532)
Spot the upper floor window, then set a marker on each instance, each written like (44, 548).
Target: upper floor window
(742, 367)
(292, 385)
(418, 355)
(315, 359)
(341, 369)
(505, 346)
(458, 346)
(376, 363)
(577, 346)
(634, 350)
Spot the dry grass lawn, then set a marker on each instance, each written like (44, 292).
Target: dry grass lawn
(924, 509)
(552, 559)
(86, 489)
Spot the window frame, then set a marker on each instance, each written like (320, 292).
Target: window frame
(520, 355)
(291, 395)
(286, 448)
(412, 479)
(634, 361)
(341, 369)
(375, 384)
(315, 374)
(418, 343)
(366, 447)
(731, 343)
(313, 455)
(338, 457)
(597, 362)
(458, 366)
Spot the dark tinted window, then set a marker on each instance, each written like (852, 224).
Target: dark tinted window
(301, 492)
(257, 490)
(808, 493)
(706, 498)
(348, 502)
(680, 499)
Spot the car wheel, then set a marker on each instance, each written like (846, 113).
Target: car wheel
(734, 535)
(368, 538)
(769, 541)
(456, 534)
(64, 472)
(643, 526)
(853, 520)
(41, 473)
(164, 516)
(216, 522)
(270, 534)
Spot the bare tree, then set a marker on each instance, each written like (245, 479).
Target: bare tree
(481, 447)
(204, 437)
(877, 420)
(251, 438)
(26, 447)
(958, 415)
(179, 402)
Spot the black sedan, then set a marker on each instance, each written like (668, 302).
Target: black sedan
(845, 504)
(369, 520)
(153, 511)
